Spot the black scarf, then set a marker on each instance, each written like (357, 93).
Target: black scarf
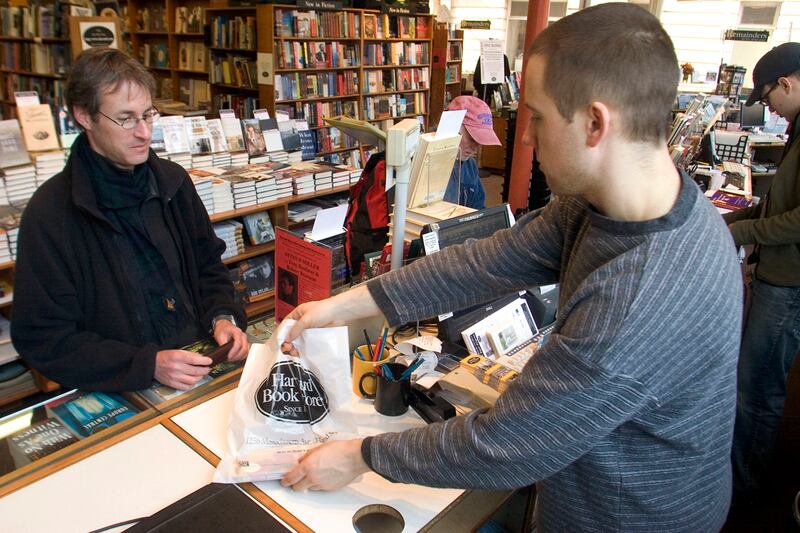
(130, 201)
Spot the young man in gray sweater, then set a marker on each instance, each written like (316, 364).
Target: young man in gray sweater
(624, 418)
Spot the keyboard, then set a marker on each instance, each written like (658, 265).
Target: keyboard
(734, 168)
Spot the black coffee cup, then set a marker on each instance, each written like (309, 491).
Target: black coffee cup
(393, 396)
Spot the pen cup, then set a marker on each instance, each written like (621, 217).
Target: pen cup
(393, 395)
(362, 368)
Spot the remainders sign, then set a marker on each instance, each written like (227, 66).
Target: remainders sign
(93, 32)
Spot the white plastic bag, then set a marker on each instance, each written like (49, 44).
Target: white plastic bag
(287, 405)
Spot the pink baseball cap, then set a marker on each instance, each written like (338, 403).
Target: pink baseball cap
(478, 119)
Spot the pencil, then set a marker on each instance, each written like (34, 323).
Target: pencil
(369, 346)
(382, 343)
(360, 355)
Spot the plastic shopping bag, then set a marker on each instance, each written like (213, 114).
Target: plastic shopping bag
(287, 405)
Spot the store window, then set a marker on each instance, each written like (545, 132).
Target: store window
(759, 14)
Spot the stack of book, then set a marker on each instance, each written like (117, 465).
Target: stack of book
(223, 195)
(221, 159)
(204, 186)
(5, 247)
(48, 164)
(303, 211)
(341, 176)
(230, 231)
(202, 161)
(323, 179)
(303, 181)
(7, 351)
(15, 379)
(279, 156)
(20, 183)
(284, 185)
(9, 221)
(184, 159)
(244, 189)
(266, 189)
(238, 159)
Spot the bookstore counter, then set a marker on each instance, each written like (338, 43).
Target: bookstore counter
(154, 453)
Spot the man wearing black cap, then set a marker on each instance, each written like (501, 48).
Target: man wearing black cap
(771, 336)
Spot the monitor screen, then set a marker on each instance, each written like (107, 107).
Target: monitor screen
(478, 225)
(752, 116)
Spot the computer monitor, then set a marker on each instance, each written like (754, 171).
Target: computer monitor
(478, 225)
(752, 116)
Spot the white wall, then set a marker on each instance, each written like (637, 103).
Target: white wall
(493, 10)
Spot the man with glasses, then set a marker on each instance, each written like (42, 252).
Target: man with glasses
(118, 265)
(771, 335)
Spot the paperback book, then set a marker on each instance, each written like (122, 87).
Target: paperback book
(91, 412)
(259, 228)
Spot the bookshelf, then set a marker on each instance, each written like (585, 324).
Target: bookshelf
(448, 53)
(34, 54)
(168, 38)
(233, 45)
(359, 63)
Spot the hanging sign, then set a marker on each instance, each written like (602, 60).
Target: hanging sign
(755, 36)
(476, 24)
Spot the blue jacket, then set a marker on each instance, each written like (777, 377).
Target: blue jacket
(471, 192)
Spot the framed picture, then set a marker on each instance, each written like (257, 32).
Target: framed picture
(93, 32)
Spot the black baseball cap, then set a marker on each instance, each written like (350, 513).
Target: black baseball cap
(778, 62)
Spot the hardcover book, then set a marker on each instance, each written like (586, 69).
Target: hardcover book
(38, 440)
(38, 127)
(259, 228)
(91, 412)
(253, 139)
(12, 146)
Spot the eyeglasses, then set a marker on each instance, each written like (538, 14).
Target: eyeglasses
(131, 122)
(765, 97)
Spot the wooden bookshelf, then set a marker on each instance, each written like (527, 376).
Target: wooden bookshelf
(448, 50)
(310, 49)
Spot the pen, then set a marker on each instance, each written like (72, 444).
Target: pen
(387, 372)
(410, 369)
(360, 355)
(369, 346)
(382, 343)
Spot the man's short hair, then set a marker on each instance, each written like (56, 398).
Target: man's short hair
(618, 54)
(100, 70)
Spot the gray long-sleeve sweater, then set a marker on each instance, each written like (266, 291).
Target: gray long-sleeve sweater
(625, 417)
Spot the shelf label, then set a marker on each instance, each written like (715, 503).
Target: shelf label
(320, 4)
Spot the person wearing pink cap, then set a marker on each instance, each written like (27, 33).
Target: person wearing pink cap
(465, 187)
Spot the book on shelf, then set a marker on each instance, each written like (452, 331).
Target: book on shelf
(12, 145)
(233, 130)
(273, 141)
(259, 228)
(199, 136)
(38, 127)
(253, 137)
(218, 141)
(176, 140)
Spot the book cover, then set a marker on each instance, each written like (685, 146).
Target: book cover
(259, 228)
(272, 136)
(303, 272)
(38, 127)
(12, 146)
(289, 135)
(200, 137)
(253, 138)
(90, 412)
(258, 277)
(233, 131)
(38, 440)
(218, 141)
(176, 139)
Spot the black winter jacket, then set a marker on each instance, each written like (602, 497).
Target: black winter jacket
(74, 317)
